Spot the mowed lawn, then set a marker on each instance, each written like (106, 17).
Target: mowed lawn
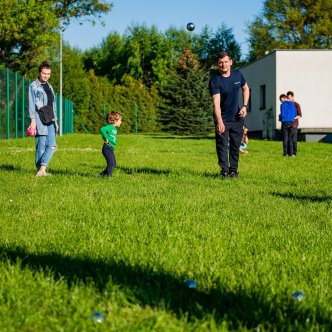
(75, 247)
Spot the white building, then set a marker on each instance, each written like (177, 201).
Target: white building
(308, 73)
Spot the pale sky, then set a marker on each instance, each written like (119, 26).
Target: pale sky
(165, 13)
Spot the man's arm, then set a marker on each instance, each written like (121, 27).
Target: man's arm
(245, 96)
(298, 110)
(220, 127)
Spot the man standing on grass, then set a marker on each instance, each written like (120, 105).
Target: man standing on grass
(287, 115)
(224, 88)
(290, 96)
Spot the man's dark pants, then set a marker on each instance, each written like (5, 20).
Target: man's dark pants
(228, 146)
(294, 137)
(108, 153)
(287, 134)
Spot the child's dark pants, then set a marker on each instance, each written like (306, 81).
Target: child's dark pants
(108, 153)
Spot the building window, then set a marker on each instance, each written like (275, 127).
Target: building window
(262, 97)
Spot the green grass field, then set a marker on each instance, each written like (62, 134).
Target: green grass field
(73, 244)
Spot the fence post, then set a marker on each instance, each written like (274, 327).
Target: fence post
(64, 103)
(16, 106)
(8, 103)
(105, 113)
(66, 115)
(23, 124)
(136, 116)
(0, 111)
(71, 118)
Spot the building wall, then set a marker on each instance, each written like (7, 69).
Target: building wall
(260, 73)
(308, 73)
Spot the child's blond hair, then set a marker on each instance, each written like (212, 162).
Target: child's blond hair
(112, 117)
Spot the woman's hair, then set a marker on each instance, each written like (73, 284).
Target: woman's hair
(112, 117)
(45, 64)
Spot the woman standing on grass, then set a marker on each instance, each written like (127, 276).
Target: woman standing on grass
(42, 112)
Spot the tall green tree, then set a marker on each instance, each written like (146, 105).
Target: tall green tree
(187, 108)
(90, 10)
(130, 95)
(108, 59)
(209, 44)
(149, 54)
(25, 33)
(133, 96)
(291, 24)
(142, 52)
(133, 53)
(76, 84)
(29, 29)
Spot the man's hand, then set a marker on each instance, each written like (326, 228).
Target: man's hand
(243, 112)
(220, 127)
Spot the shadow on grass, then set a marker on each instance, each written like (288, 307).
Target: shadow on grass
(10, 168)
(183, 137)
(143, 170)
(14, 168)
(144, 286)
(126, 170)
(154, 171)
(70, 172)
(305, 198)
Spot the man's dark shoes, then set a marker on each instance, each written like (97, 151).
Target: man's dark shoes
(233, 174)
(224, 175)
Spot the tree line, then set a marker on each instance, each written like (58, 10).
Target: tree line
(163, 75)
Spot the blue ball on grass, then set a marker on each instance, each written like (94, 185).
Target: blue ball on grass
(191, 283)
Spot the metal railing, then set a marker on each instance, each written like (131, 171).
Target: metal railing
(14, 111)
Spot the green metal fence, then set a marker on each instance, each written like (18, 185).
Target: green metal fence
(14, 111)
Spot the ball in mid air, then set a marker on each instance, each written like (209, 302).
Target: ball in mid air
(190, 26)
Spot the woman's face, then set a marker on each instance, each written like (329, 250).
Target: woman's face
(44, 75)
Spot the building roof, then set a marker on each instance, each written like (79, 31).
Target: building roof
(268, 53)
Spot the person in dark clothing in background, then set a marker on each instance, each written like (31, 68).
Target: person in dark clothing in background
(290, 96)
(287, 115)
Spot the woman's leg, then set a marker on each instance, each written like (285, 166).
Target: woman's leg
(45, 149)
(40, 149)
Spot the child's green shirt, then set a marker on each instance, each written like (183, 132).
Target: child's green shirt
(109, 133)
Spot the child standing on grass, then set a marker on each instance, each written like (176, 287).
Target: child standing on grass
(245, 140)
(109, 134)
